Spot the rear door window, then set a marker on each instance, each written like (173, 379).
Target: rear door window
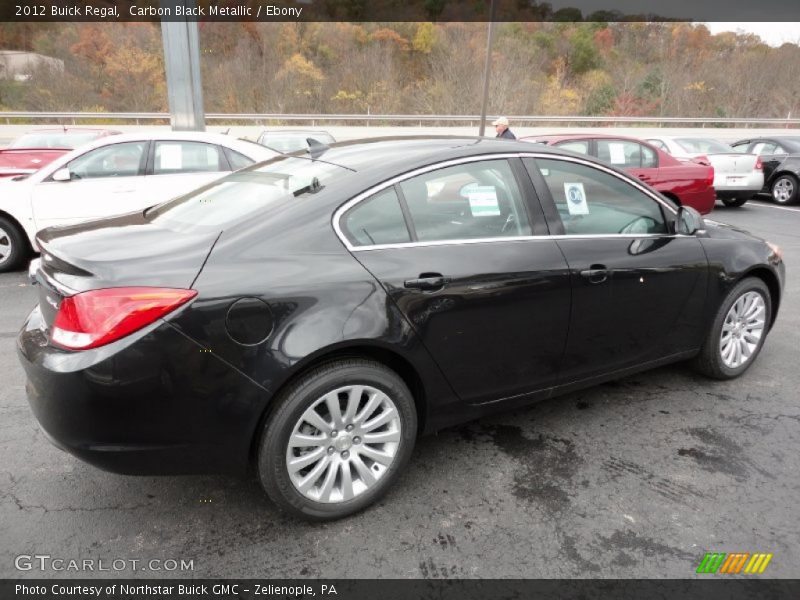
(376, 220)
(237, 160)
(660, 145)
(626, 154)
(765, 148)
(579, 146)
(472, 200)
(174, 157)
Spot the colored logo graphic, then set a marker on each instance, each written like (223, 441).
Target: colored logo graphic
(575, 194)
(734, 563)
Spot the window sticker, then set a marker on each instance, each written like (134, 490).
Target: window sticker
(576, 199)
(170, 157)
(617, 152)
(483, 201)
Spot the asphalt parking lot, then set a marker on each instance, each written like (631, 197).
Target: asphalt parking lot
(636, 478)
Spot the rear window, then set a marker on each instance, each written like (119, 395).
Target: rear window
(293, 142)
(791, 143)
(246, 192)
(703, 146)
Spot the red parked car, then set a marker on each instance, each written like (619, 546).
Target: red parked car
(687, 183)
(32, 151)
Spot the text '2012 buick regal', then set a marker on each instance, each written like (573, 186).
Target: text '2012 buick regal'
(311, 316)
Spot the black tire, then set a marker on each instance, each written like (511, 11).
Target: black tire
(734, 202)
(710, 361)
(785, 189)
(273, 471)
(13, 246)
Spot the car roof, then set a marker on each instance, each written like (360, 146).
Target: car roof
(186, 136)
(71, 130)
(381, 152)
(683, 137)
(293, 131)
(558, 137)
(394, 155)
(777, 138)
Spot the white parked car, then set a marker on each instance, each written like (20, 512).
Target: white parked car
(112, 176)
(737, 176)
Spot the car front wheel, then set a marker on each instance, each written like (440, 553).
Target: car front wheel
(785, 189)
(337, 440)
(738, 331)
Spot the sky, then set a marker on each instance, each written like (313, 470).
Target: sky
(773, 34)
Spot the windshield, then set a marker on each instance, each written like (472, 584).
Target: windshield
(704, 146)
(54, 140)
(245, 192)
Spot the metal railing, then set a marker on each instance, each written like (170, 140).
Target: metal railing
(261, 118)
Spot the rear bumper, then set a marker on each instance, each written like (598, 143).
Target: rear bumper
(150, 404)
(702, 201)
(732, 183)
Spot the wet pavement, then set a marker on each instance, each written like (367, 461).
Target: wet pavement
(635, 478)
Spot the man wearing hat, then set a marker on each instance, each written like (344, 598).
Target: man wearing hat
(501, 127)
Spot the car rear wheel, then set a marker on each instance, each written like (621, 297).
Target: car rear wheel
(13, 247)
(785, 189)
(734, 202)
(337, 440)
(738, 331)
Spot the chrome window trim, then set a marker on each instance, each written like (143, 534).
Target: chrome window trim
(337, 215)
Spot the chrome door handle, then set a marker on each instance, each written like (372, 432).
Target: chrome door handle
(595, 274)
(427, 282)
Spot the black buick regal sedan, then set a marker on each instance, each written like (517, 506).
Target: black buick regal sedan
(309, 317)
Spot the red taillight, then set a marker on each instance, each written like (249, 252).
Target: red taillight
(710, 180)
(98, 317)
(759, 165)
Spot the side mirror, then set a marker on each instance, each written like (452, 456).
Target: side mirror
(62, 174)
(688, 221)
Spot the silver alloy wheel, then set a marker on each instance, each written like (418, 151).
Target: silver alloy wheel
(343, 444)
(782, 190)
(5, 246)
(742, 329)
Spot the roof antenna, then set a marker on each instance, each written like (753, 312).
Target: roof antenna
(316, 148)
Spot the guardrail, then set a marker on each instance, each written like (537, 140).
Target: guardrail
(262, 118)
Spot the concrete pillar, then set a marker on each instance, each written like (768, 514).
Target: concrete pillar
(182, 64)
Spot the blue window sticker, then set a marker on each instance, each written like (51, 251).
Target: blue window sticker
(576, 199)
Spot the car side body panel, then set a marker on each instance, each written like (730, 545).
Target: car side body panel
(321, 302)
(788, 164)
(187, 394)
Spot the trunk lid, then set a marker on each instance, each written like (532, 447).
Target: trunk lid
(116, 252)
(733, 163)
(23, 161)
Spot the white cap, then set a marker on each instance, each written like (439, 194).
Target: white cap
(501, 121)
